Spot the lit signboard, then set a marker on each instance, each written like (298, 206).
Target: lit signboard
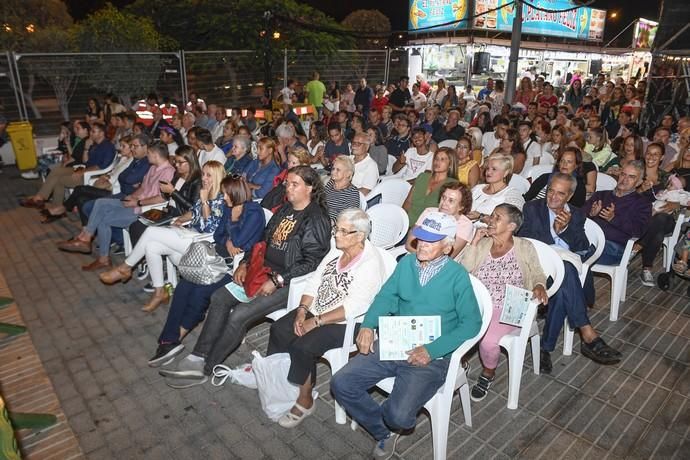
(431, 13)
(582, 23)
(645, 31)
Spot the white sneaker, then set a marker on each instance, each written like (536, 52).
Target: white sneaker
(647, 278)
(30, 175)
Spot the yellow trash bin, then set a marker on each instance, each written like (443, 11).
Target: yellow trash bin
(22, 137)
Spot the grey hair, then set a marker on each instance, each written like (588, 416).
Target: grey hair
(513, 213)
(358, 219)
(285, 130)
(638, 165)
(348, 162)
(244, 140)
(143, 139)
(565, 177)
(449, 241)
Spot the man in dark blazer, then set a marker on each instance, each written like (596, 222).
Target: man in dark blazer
(554, 222)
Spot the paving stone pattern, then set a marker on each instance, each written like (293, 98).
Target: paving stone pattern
(94, 343)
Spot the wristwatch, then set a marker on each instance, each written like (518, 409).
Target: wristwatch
(139, 203)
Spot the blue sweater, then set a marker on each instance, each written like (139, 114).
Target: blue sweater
(244, 233)
(448, 294)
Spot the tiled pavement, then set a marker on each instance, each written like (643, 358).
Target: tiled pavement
(94, 342)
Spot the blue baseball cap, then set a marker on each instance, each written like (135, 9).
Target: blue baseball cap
(435, 227)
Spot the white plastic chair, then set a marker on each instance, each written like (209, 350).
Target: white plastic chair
(338, 357)
(540, 170)
(389, 225)
(515, 343)
(362, 201)
(605, 182)
(389, 166)
(519, 183)
(450, 143)
(596, 237)
(619, 278)
(670, 241)
(392, 191)
(439, 405)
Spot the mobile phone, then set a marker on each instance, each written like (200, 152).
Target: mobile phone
(162, 182)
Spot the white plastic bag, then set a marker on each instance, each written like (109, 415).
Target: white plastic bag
(276, 394)
(241, 375)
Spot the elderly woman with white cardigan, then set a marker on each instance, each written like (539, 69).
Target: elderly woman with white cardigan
(343, 286)
(485, 197)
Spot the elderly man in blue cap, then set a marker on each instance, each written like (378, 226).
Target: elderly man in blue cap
(427, 283)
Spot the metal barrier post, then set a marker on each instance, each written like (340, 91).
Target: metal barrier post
(183, 79)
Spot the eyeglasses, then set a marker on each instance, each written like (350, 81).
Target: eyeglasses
(358, 144)
(342, 231)
(463, 147)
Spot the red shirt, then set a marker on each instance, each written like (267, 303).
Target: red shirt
(424, 87)
(378, 103)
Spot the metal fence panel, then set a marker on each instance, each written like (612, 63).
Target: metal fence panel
(345, 66)
(227, 78)
(57, 87)
(9, 92)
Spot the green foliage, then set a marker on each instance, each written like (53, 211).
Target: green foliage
(21, 19)
(232, 25)
(372, 23)
(110, 29)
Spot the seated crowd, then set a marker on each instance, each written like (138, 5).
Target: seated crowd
(210, 172)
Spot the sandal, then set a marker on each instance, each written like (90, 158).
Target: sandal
(291, 420)
(681, 267)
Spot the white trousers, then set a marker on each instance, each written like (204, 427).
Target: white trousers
(155, 243)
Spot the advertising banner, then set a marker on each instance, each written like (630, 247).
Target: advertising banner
(431, 13)
(645, 31)
(582, 23)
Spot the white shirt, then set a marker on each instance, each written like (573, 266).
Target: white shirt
(415, 164)
(532, 149)
(171, 148)
(485, 204)
(215, 154)
(419, 101)
(366, 173)
(490, 142)
(287, 94)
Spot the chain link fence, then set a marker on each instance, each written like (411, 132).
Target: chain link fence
(48, 89)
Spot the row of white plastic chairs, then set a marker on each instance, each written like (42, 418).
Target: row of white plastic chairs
(389, 225)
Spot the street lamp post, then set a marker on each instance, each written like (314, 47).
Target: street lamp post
(514, 53)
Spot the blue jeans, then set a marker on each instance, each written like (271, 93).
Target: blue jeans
(413, 387)
(85, 212)
(108, 213)
(188, 307)
(612, 255)
(568, 302)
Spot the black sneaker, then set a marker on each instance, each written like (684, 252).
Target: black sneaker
(165, 354)
(149, 288)
(142, 271)
(481, 388)
(545, 366)
(599, 352)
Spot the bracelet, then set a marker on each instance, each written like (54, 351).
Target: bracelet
(139, 203)
(204, 203)
(303, 307)
(317, 320)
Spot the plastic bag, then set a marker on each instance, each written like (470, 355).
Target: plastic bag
(241, 375)
(276, 394)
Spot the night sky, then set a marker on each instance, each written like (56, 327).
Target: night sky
(396, 10)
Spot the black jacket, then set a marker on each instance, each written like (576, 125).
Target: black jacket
(578, 199)
(536, 225)
(306, 246)
(187, 195)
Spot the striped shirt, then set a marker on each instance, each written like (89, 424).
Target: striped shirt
(431, 269)
(338, 200)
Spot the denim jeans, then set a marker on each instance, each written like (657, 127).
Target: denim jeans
(568, 302)
(188, 307)
(413, 387)
(612, 255)
(107, 213)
